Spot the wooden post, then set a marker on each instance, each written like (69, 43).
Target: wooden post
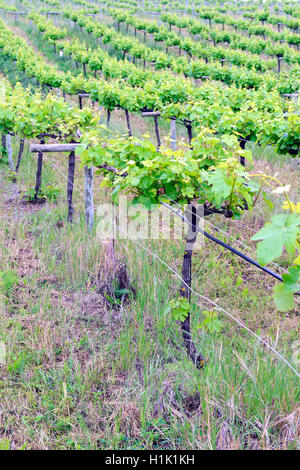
(3, 141)
(21, 148)
(101, 114)
(88, 195)
(279, 59)
(71, 172)
(173, 134)
(38, 180)
(157, 131)
(242, 145)
(128, 123)
(9, 152)
(190, 133)
(108, 117)
(57, 148)
(191, 236)
(155, 115)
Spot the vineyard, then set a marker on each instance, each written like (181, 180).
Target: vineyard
(150, 225)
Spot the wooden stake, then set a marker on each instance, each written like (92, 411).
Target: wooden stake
(71, 172)
(21, 148)
(108, 116)
(38, 179)
(9, 152)
(88, 194)
(128, 123)
(3, 139)
(242, 145)
(173, 134)
(190, 133)
(185, 291)
(157, 131)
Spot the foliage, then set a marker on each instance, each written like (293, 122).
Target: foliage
(283, 232)
(211, 322)
(179, 308)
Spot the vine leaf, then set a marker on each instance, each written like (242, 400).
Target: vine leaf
(283, 299)
(179, 308)
(281, 232)
(221, 186)
(292, 279)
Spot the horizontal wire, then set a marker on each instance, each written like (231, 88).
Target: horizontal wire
(228, 234)
(225, 245)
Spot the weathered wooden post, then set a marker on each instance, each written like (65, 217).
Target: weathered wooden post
(155, 115)
(38, 180)
(279, 60)
(21, 148)
(70, 186)
(189, 128)
(192, 217)
(88, 197)
(108, 117)
(157, 131)
(9, 152)
(128, 123)
(3, 142)
(173, 134)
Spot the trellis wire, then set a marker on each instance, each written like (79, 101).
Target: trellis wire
(225, 245)
(228, 234)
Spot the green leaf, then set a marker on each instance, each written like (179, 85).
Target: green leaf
(284, 300)
(229, 140)
(170, 191)
(211, 323)
(146, 182)
(281, 232)
(179, 308)
(145, 201)
(221, 186)
(292, 279)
